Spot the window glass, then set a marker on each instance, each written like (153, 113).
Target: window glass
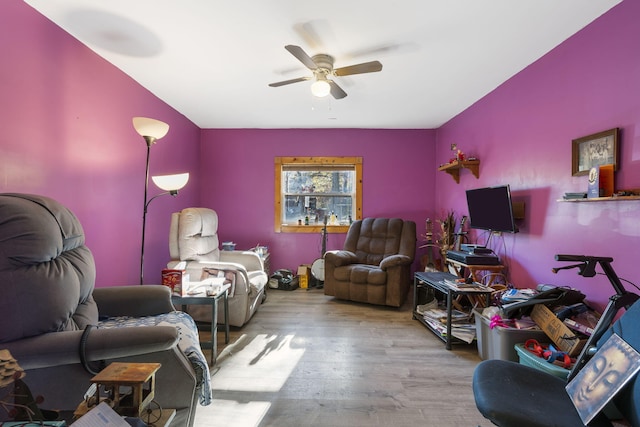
(311, 191)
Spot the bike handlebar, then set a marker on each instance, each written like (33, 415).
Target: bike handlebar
(587, 268)
(582, 258)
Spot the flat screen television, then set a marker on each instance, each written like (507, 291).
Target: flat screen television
(491, 209)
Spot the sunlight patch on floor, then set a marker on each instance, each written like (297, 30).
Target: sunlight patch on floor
(262, 364)
(230, 413)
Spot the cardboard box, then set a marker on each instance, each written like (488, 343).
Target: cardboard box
(177, 280)
(304, 274)
(564, 338)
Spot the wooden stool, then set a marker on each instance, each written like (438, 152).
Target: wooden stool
(131, 387)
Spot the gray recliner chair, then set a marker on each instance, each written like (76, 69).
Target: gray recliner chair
(48, 298)
(375, 263)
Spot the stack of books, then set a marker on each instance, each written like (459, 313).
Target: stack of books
(572, 196)
(461, 323)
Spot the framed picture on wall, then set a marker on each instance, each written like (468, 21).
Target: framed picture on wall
(593, 150)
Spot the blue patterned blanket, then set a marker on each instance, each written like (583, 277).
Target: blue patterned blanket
(189, 342)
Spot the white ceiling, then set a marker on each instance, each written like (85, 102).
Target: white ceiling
(212, 60)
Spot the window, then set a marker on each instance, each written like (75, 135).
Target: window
(310, 189)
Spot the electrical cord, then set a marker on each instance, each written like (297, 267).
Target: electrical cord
(82, 350)
(623, 280)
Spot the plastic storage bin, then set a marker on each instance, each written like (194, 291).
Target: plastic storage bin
(498, 343)
(530, 359)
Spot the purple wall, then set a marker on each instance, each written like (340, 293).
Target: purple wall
(237, 173)
(67, 134)
(522, 134)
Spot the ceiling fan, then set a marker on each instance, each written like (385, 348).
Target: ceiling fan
(322, 67)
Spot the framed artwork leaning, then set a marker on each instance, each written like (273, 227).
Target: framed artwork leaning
(613, 366)
(593, 150)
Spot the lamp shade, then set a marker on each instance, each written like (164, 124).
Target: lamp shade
(320, 88)
(150, 127)
(171, 182)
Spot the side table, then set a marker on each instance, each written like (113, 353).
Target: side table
(265, 257)
(266, 263)
(437, 282)
(204, 299)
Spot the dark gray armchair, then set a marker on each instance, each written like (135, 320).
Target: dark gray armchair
(48, 298)
(375, 263)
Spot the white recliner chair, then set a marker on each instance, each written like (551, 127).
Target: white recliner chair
(193, 238)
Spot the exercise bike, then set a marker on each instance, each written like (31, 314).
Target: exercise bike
(586, 266)
(510, 394)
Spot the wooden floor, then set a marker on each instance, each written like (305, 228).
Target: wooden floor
(306, 359)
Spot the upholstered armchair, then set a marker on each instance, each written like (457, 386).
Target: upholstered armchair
(193, 238)
(48, 299)
(375, 263)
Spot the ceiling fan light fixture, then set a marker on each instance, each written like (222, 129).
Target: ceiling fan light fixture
(322, 67)
(320, 88)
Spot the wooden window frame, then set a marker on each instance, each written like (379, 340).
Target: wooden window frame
(280, 162)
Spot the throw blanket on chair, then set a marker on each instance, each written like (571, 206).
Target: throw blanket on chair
(229, 276)
(189, 342)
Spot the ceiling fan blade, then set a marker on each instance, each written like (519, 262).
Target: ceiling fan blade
(288, 82)
(336, 91)
(315, 34)
(302, 56)
(365, 67)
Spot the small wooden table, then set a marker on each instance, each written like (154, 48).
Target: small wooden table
(494, 271)
(474, 269)
(128, 376)
(204, 299)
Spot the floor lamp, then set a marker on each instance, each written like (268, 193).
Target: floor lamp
(152, 130)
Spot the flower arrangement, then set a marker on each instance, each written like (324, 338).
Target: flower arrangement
(459, 155)
(446, 239)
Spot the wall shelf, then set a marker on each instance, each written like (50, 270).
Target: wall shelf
(601, 199)
(453, 168)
